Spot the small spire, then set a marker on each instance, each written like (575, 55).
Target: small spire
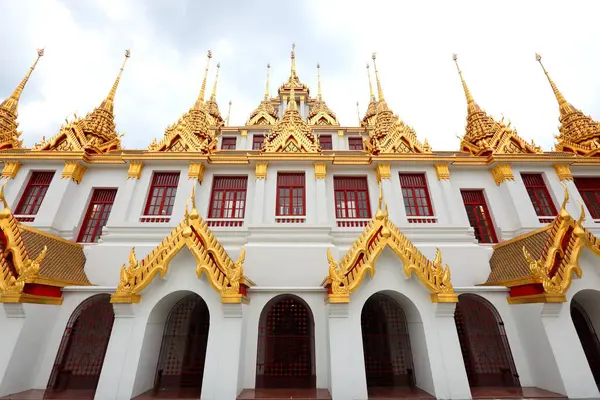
(379, 90)
(292, 101)
(370, 84)
(267, 85)
(12, 102)
(203, 88)
(228, 114)
(214, 91)
(107, 104)
(358, 113)
(559, 97)
(293, 55)
(470, 100)
(319, 94)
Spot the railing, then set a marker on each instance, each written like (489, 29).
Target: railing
(353, 223)
(225, 223)
(290, 220)
(154, 219)
(25, 218)
(422, 220)
(546, 220)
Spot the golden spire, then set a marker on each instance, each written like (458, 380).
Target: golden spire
(379, 90)
(228, 113)
(291, 105)
(214, 91)
(471, 105)
(370, 83)
(203, 88)
(293, 55)
(319, 94)
(108, 103)
(358, 113)
(12, 102)
(267, 84)
(562, 103)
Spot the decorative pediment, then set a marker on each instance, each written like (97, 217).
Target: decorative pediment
(225, 276)
(265, 114)
(190, 133)
(347, 275)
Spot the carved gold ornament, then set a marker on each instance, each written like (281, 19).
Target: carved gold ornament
(135, 170)
(73, 170)
(501, 173)
(320, 170)
(383, 171)
(11, 169)
(442, 172)
(346, 275)
(196, 171)
(224, 275)
(563, 172)
(261, 170)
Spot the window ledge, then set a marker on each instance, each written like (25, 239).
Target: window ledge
(290, 220)
(155, 218)
(25, 218)
(422, 220)
(225, 222)
(546, 219)
(353, 222)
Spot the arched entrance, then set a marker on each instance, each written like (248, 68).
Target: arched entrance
(588, 337)
(485, 348)
(81, 353)
(286, 345)
(183, 349)
(386, 344)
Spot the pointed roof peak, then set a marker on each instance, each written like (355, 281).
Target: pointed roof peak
(471, 105)
(267, 83)
(11, 103)
(292, 105)
(563, 105)
(200, 99)
(293, 80)
(379, 89)
(214, 91)
(108, 103)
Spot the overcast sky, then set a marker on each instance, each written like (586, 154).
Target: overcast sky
(414, 40)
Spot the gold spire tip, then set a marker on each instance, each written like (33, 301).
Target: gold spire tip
(538, 57)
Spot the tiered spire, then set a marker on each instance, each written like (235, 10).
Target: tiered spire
(192, 131)
(94, 133)
(9, 136)
(228, 114)
(389, 135)
(294, 81)
(369, 118)
(319, 113)
(578, 133)
(484, 135)
(211, 105)
(265, 113)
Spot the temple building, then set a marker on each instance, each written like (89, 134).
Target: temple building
(294, 257)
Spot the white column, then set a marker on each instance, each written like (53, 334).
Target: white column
(392, 197)
(244, 140)
(564, 342)
(342, 143)
(259, 193)
(55, 207)
(13, 322)
(451, 204)
(122, 205)
(321, 193)
(520, 211)
(348, 379)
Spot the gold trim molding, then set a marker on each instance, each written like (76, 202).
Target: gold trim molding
(320, 170)
(11, 169)
(261, 170)
(442, 171)
(135, 170)
(196, 171)
(383, 171)
(563, 171)
(502, 172)
(74, 170)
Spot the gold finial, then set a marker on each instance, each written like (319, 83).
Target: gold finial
(379, 90)
(2, 198)
(358, 113)
(12, 102)
(107, 104)
(319, 94)
(559, 97)
(464, 84)
(267, 85)
(370, 84)
(228, 114)
(203, 88)
(292, 101)
(214, 91)
(293, 72)
(382, 208)
(194, 214)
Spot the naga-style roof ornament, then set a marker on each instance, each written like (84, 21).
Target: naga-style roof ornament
(389, 134)
(192, 132)
(214, 115)
(578, 133)
(348, 274)
(94, 133)
(9, 135)
(224, 275)
(291, 134)
(319, 113)
(484, 135)
(293, 81)
(265, 113)
(368, 121)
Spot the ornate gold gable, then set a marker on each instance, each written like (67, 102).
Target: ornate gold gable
(485, 136)
(291, 134)
(319, 113)
(225, 276)
(389, 134)
(9, 135)
(27, 279)
(578, 133)
(347, 275)
(192, 132)
(265, 113)
(95, 133)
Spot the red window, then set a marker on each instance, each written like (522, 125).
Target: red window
(97, 215)
(162, 193)
(228, 143)
(416, 195)
(589, 188)
(351, 197)
(228, 199)
(257, 142)
(355, 143)
(538, 193)
(290, 194)
(479, 216)
(34, 193)
(325, 141)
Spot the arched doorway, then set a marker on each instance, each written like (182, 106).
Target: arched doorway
(588, 337)
(485, 348)
(286, 345)
(386, 344)
(81, 353)
(183, 349)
